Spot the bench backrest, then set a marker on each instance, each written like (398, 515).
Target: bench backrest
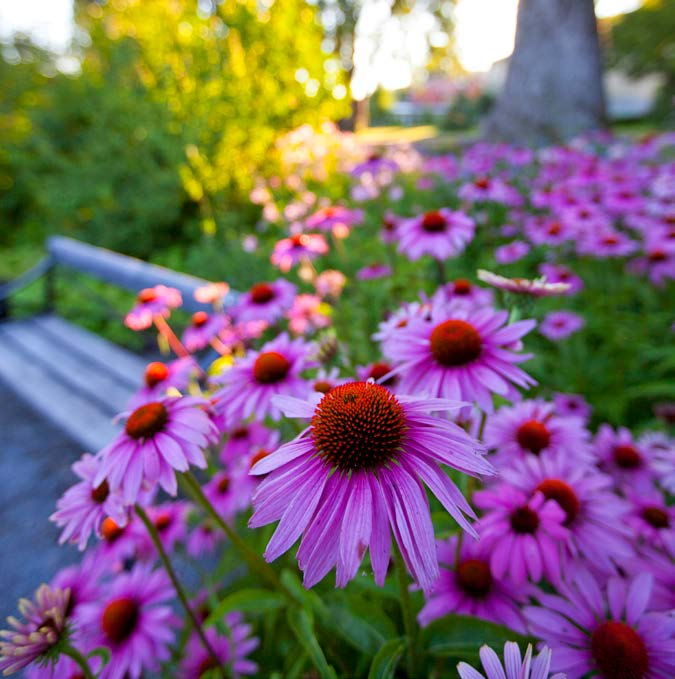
(123, 271)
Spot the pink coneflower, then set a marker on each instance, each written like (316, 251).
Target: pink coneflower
(134, 621)
(547, 231)
(389, 329)
(377, 372)
(522, 533)
(118, 542)
(82, 581)
(373, 272)
(83, 507)
(606, 243)
(43, 628)
(374, 165)
(490, 189)
(572, 405)
(242, 440)
(594, 514)
(467, 587)
(463, 291)
(203, 539)
(557, 273)
(652, 520)
(159, 438)
(533, 428)
(441, 234)
(202, 329)
(622, 458)
(357, 472)
(230, 490)
(152, 302)
(265, 301)
(461, 353)
(609, 635)
(515, 667)
(325, 380)
(660, 448)
(170, 522)
(660, 566)
(307, 314)
(212, 293)
(231, 650)
(536, 287)
(248, 387)
(390, 227)
(159, 377)
(558, 325)
(330, 283)
(511, 252)
(334, 217)
(304, 246)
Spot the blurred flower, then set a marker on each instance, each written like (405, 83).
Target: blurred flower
(330, 283)
(511, 252)
(373, 271)
(307, 314)
(441, 234)
(212, 293)
(537, 287)
(515, 667)
(559, 325)
(291, 251)
(265, 301)
(152, 302)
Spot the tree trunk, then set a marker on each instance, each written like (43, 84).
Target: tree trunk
(553, 88)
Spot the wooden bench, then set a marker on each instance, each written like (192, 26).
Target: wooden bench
(73, 377)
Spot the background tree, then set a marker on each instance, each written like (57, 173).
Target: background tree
(553, 88)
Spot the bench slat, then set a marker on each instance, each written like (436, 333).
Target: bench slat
(71, 368)
(127, 367)
(124, 271)
(74, 413)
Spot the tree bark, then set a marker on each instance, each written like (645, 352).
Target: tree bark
(553, 87)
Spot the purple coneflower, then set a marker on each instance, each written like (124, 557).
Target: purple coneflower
(534, 428)
(373, 272)
(515, 667)
(159, 438)
(325, 380)
(231, 650)
(159, 377)
(80, 511)
(134, 621)
(460, 353)
(330, 283)
(212, 293)
(652, 519)
(463, 291)
(303, 246)
(43, 628)
(467, 587)
(152, 302)
(334, 217)
(511, 252)
(622, 458)
(522, 533)
(605, 634)
(594, 514)
(265, 301)
(170, 522)
(248, 387)
(441, 234)
(202, 329)
(558, 325)
(557, 273)
(246, 439)
(572, 405)
(358, 472)
(307, 314)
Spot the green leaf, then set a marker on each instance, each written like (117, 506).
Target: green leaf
(246, 600)
(385, 662)
(309, 599)
(462, 636)
(303, 628)
(354, 630)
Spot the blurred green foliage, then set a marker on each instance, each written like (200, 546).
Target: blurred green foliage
(158, 138)
(642, 43)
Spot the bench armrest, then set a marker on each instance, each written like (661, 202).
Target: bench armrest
(26, 278)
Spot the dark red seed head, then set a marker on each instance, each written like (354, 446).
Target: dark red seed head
(155, 373)
(270, 367)
(562, 493)
(119, 619)
(434, 222)
(100, 493)
(474, 578)
(656, 517)
(627, 457)
(147, 421)
(261, 293)
(534, 436)
(455, 343)
(619, 651)
(199, 319)
(524, 520)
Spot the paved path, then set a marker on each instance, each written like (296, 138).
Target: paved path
(35, 460)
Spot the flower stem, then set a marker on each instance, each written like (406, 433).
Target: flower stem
(409, 622)
(255, 561)
(73, 653)
(178, 587)
(440, 271)
(170, 336)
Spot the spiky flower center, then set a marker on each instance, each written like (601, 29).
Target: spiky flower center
(434, 222)
(462, 287)
(534, 436)
(524, 521)
(455, 343)
(261, 293)
(562, 493)
(626, 456)
(155, 373)
(119, 619)
(482, 182)
(224, 485)
(100, 493)
(271, 367)
(619, 651)
(147, 295)
(474, 578)
(322, 386)
(199, 319)
(163, 521)
(554, 228)
(656, 517)
(147, 421)
(110, 530)
(379, 370)
(359, 425)
(240, 433)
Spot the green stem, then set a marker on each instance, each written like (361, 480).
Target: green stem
(255, 561)
(178, 587)
(440, 271)
(409, 622)
(73, 653)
